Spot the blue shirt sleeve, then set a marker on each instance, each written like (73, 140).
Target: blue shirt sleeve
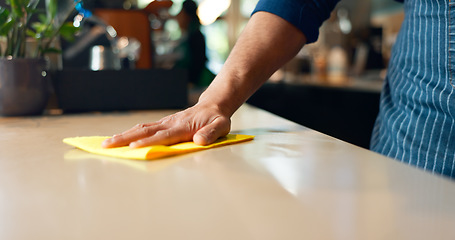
(306, 15)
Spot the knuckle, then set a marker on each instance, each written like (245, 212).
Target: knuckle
(209, 133)
(163, 134)
(169, 118)
(140, 125)
(146, 131)
(212, 131)
(167, 134)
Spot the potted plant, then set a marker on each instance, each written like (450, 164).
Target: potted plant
(24, 87)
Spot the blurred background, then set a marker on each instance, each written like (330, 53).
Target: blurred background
(332, 86)
(365, 30)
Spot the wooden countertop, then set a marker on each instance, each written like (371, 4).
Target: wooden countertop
(289, 183)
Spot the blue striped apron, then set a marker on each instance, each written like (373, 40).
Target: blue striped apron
(416, 121)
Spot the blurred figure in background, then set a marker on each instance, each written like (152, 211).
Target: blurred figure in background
(191, 48)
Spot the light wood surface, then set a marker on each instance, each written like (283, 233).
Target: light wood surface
(288, 183)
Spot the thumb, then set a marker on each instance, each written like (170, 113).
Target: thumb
(211, 132)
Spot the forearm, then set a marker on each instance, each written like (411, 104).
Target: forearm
(265, 45)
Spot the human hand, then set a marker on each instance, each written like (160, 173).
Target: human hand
(201, 124)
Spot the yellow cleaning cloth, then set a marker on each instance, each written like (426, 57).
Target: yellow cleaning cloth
(93, 145)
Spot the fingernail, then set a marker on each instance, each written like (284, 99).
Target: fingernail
(134, 145)
(200, 139)
(106, 142)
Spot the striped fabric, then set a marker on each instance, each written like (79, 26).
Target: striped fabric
(416, 120)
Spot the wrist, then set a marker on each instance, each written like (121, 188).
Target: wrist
(215, 103)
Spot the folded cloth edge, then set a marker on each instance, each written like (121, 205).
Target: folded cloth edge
(92, 144)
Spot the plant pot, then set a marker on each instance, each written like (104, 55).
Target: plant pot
(24, 88)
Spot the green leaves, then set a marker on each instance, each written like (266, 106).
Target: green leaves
(15, 27)
(51, 50)
(51, 9)
(6, 23)
(68, 31)
(43, 28)
(16, 8)
(4, 15)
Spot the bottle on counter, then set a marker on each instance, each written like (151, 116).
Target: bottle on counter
(337, 66)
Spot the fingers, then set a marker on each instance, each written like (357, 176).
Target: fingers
(211, 132)
(139, 131)
(163, 137)
(203, 127)
(138, 126)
